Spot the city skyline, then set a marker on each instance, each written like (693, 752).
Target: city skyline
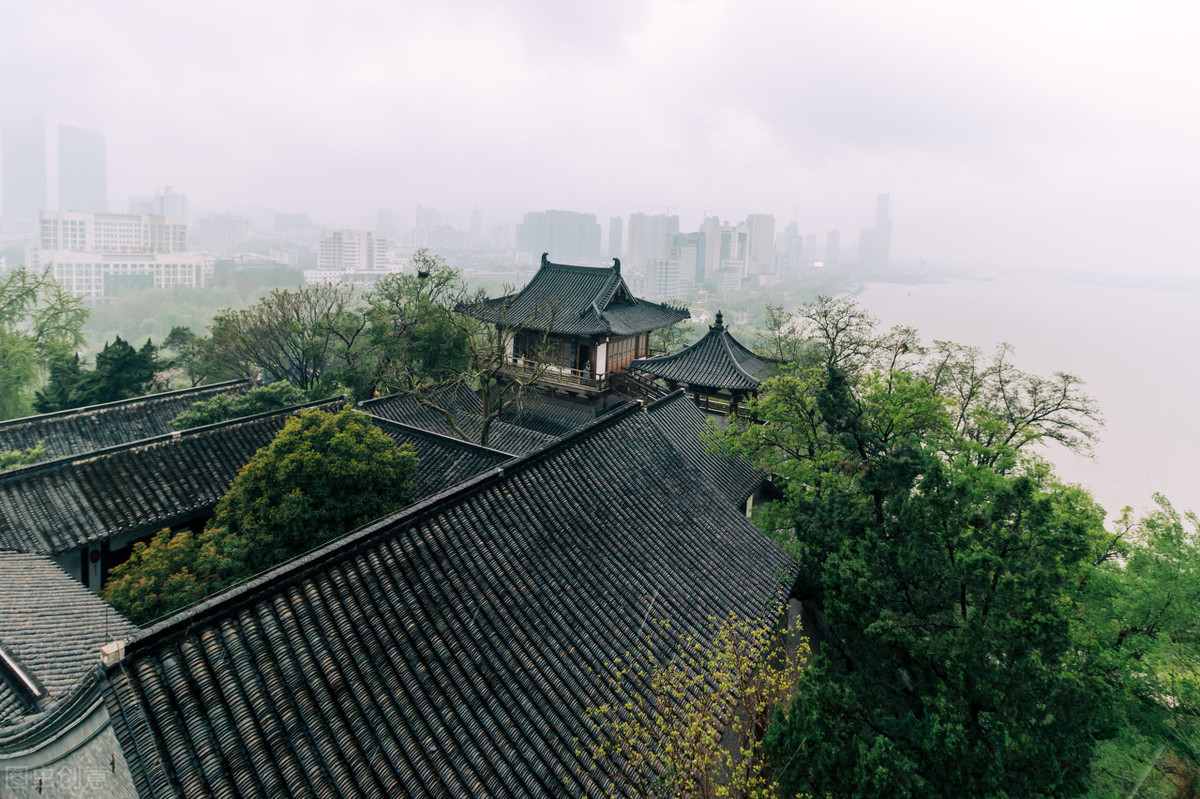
(1022, 134)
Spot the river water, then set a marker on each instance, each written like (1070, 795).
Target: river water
(1136, 349)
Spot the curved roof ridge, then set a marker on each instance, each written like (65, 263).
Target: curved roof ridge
(726, 337)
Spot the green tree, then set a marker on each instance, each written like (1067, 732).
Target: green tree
(163, 575)
(1142, 616)
(259, 399)
(414, 338)
(945, 560)
(40, 321)
(186, 354)
(322, 476)
(438, 347)
(61, 390)
(306, 336)
(121, 372)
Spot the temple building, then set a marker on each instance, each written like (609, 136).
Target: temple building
(584, 321)
(717, 370)
(456, 647)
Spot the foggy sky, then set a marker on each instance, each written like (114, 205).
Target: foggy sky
(1045, 134)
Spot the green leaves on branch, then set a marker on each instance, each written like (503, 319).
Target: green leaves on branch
(945, 557)
(40, 321)
(692, 725)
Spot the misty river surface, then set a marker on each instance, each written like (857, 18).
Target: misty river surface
(1135, 348)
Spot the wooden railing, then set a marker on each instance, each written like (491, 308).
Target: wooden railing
(554, 374)
(721, 405)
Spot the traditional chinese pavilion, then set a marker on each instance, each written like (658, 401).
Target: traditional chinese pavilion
(717, 370)
(583, 320)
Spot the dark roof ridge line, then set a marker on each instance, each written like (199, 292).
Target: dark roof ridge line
(115, 403)
(436, 436)
(725, 337)
(364, 537)
(546, 263)
(672, 397)
(66, 460)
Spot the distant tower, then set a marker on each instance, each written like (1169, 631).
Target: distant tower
(615, 229)
(833, 243)
(23, 162)
(82, 170)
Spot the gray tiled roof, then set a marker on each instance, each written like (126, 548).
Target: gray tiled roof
(134, 488)
(442, 461)
(81, 430)
(447, 650)
(51, 625)
(502, 435)
(717, 361)
(682, 423)
(578, 301)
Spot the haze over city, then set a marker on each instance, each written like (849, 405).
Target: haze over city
(1019, 135)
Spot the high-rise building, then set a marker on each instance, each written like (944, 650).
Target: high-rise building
(82, 170)
(650, 238)
(875, 243)
(793, 252)
(351, 251)
(615, 229)
(566, 235)
(760, 244)
(833, 243)
(810, 249)
(385, 223)
(23, 163)
(162, 203)
(220, 234)
(426, 219)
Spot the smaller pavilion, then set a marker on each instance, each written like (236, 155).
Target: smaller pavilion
(717, 370)
(582, 322)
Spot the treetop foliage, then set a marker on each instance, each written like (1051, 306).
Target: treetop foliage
(321, 477)
(40, 321)
(990, 636)
(222, 407)
(122, 372)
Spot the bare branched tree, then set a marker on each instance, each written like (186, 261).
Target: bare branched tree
(296, 335)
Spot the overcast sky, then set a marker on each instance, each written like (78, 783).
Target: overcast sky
(1061, 134)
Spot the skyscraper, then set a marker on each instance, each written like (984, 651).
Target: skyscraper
(760, 251)
(615, 229)
(833, 244)
(875, 243)
(23, 161)
(650, 238)
(82, 170)
(566, 235)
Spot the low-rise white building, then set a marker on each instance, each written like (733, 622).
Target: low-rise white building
(97, 276)
(77, 231)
